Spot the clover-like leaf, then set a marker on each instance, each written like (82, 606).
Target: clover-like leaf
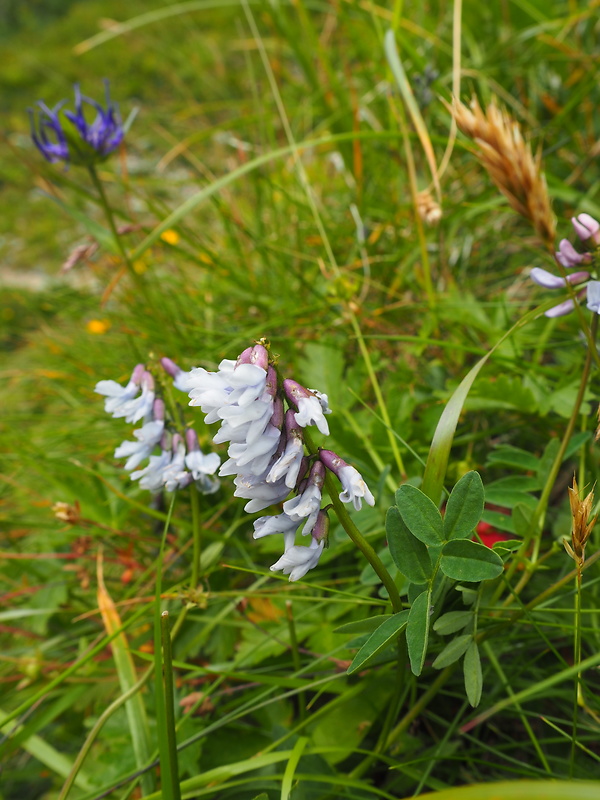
(464, 560)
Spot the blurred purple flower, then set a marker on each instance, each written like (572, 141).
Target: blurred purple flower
(78, 142)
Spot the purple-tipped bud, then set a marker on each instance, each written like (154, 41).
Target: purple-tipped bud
(294, 391)
(158, 409)
(271, 382)
(355, 488)
(310, 408)
(586, 227)
(332, 461)
(277, 416)
(320, 532)
(317, 475)
(260, 356)
(170, 367)
(245, 357)
(165, 441)
(569, 257)
(138, 374)
(304, 465)
(147, 380)
(257, 355)
(176, 441)
(191, 440)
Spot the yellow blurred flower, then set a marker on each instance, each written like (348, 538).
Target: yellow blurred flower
(98, 326)
(170, 237)
(139, 266)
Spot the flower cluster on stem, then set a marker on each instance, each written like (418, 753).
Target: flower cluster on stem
(64, 135)
(267, 449)
(588, 231)
(180, 461)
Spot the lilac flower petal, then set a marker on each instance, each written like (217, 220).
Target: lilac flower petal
(593, 296)
(561, 309)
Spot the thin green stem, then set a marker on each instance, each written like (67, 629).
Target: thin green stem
(379, 395)
(421, 703)
(295, 656)
(110, 218)
(170, 705)
(197, 534)
(540, 511)
(363, 545)
(576, 661)
(394, 707)
(355, 535)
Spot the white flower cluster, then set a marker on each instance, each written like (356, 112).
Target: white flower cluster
(179, 463)
(266, 449)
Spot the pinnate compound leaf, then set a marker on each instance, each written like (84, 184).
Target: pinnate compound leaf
(464, 507)
(409, 554)
(464, 560)
(452, 621)
(453, 651)
(472, 673)
(383, 637)
(417, 631)
(420, 514)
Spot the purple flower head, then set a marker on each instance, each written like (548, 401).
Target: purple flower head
(78, 142)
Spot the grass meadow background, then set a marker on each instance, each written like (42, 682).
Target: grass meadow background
(280, 140)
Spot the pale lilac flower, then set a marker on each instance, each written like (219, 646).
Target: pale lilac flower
(148, 436)
(152, 476)
(310, 409)
(297, 560)
(308, 504)
(289, 462)
(116, 395)
(586, 227)
(174, 475)
(593, 296)
(201, 465)
(549, 281)
(323, 400)
(353, 484)
(569, 257)
(280, 523)
(181, 380)
(259, 493)
(123, 401)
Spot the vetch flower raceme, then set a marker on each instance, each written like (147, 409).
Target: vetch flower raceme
(181, 462)
(267, 448)
(588, 230)
(64, 135)
(124, 401)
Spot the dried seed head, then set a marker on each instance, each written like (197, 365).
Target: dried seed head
(67, 512)
(509, 162)
(428, 208)
(582, 525)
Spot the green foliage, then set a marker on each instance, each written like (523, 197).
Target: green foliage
(440, 371)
